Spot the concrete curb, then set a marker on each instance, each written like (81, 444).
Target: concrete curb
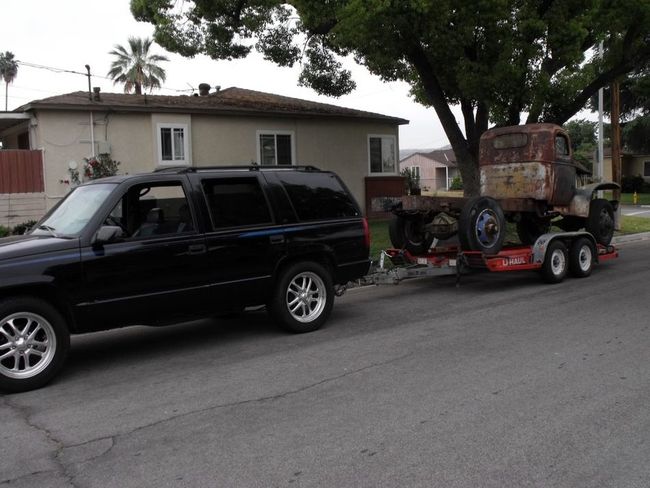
(641, 236)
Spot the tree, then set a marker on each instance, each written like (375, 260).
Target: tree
(494, 58)
(8, 72)
(136, 68)
(583, 140)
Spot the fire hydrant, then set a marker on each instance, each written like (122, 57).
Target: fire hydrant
(635, 199)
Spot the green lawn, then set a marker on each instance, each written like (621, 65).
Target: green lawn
(643, 198)
(379, 232)
(628, 198)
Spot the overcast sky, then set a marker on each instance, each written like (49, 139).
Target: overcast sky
(69, 34)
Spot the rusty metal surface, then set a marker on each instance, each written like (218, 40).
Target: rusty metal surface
(517, 180)
(419, 202)
(540, 145)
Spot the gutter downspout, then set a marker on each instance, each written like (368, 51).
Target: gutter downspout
(92, 134)
(447, 177)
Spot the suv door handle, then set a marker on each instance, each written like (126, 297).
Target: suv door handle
(276, 239)
(196, 249)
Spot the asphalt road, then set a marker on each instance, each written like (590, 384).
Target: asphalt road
(503, 382)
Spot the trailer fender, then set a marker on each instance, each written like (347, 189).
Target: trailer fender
(543, 241)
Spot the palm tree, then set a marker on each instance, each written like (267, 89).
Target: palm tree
(137, 69)
(8, 72)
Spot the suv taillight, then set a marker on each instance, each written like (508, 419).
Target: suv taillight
(366, 233)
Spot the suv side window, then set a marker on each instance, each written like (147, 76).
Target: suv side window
(318, 196)
(153, 209)
(236, 202)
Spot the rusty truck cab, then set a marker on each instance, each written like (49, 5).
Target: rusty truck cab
(528, 163)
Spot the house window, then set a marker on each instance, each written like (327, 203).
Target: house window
(415, 170)
(646, 169)
(382, 153)
(173, 144)
(276, 148)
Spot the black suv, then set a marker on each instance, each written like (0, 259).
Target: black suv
(174, 245)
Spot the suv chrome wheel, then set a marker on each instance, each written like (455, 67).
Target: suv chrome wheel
(34, 343)
(303, 296)
(27, 345)
(306, 297)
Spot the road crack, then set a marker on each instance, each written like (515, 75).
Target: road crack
(59, 446)
(114, 438)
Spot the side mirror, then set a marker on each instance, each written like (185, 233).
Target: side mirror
(107, 234)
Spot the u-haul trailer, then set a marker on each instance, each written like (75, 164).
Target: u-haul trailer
(554, 255)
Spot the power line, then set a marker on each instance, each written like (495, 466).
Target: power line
(64, 70)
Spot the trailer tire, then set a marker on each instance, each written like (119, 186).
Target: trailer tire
(555, 266)
(600, 222)
(581, 258)
(482, 226)
(529, 228)
(407, 233)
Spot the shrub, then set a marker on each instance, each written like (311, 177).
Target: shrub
(20, 229)
(412, 180)
(456, 183)
(100, 167)
(4, 232)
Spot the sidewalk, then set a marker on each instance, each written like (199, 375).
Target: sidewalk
(641, 236)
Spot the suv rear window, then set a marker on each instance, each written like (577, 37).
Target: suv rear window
(317, 196)
(236, 202)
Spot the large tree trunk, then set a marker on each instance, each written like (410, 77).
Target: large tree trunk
(465, 149)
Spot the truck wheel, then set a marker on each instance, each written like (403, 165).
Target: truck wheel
(34, 343)
(482, 226)
(600, 222)
(555, 265)
(303, 297)
(581, 258)
(529, 228)
(409, 234)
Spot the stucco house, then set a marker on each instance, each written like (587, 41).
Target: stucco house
(222, 127)
(436, 169)
(632, 164)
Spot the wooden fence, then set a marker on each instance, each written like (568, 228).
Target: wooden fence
(21, 171)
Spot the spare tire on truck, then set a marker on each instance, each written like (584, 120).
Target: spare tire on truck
(482, 226)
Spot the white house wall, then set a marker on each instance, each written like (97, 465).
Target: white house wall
(340, 145)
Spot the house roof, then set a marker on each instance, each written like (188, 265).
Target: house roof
(442, 156)
(230, 101)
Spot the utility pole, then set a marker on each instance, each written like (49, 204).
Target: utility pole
(599, 164)
(616, 148)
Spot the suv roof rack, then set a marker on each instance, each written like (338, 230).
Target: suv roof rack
(250, 167)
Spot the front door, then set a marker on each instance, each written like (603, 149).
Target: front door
(157, 272)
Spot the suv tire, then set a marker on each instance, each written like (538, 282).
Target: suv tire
(34, 343)
(303, 297)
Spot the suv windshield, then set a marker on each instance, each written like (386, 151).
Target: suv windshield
(72, 215)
